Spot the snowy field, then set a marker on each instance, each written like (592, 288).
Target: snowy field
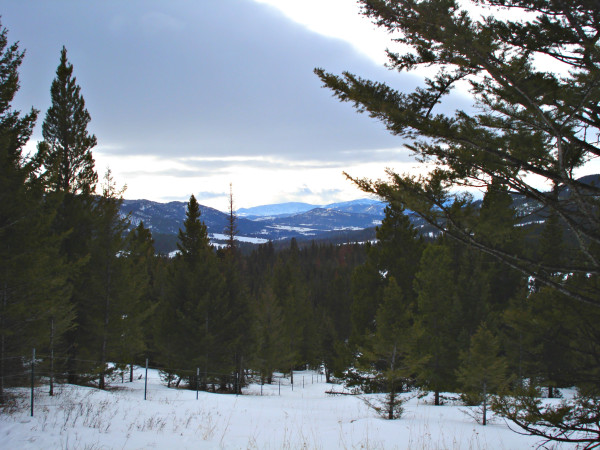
(303, 418)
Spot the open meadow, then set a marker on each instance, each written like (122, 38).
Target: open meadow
(305, 417)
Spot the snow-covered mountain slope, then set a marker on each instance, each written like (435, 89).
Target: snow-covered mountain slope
(360, 206)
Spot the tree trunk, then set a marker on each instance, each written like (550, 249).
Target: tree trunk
(437, 398)
(101, 384)
(106, 321)
(3, 342)
(131, 373)
(484, 421)
(51, 393)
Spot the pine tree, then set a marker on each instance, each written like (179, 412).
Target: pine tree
(193, 332)
(193, 239)
(142, 266)
(433, 355)
(33, 287)
(271, 351)
(66, 149)
(114, 291)
(525, 131)
(231, 229)
(68, 172)
(395, 254)
(387, 348)
(482, 371)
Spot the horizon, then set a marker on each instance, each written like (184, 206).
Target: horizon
(258, 206)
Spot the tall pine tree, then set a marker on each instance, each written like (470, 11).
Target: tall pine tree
(70, 177)
(32, 276)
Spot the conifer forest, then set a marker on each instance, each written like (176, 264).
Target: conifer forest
(497, 313)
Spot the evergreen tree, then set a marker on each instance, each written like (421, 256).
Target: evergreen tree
(271, 350)
(192, 332)
(142, 265)
(33, 287)
(292, 292)
(399, 246)
(68, 171)
(395, 254)
(367, 286)
(433, 355)
(387, 348)
(231, 228)
(66, 149)
(483, 370)
(485, 286)
(112, 328)
(193, 239)
(526, 130)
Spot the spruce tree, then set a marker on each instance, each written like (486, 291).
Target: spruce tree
(193, 239)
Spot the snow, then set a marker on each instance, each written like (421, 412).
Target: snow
(290, 228)
(305, 417)
(253, 240)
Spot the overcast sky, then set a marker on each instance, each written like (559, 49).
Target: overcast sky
(187, 96)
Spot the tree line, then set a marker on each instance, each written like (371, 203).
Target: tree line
(86, 289)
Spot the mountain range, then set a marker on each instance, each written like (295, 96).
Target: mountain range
(352, 221)
(343, 221)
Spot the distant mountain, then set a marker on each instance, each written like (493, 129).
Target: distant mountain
(167, 218)
(337, 221)
(279, 209)
(352, 221)
(361, 206)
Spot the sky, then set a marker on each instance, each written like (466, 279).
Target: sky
(188, 96)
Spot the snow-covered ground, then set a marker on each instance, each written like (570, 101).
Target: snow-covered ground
(224, 237)
(306, 417)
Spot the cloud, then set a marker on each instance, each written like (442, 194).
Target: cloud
(204, 78)
(320, 196)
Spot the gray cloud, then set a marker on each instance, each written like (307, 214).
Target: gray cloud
(204, 86)
(183, 78)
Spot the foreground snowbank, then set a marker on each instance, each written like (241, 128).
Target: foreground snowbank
(305, 417)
